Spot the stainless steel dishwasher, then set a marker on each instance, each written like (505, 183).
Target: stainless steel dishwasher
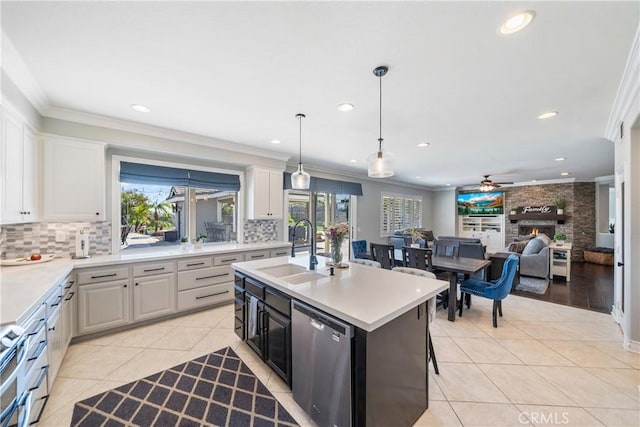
(321, 365)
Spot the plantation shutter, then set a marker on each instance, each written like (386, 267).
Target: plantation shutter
(400, 212)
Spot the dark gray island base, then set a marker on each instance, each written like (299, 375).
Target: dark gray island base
(389, 378)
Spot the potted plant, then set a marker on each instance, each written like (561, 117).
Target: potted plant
(415, 236)
(560, 238)
(184, 243)
(560, 205)
(200, 240)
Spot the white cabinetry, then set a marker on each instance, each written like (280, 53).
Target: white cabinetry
(55, 333)
(201, 285)
(69, 312)
(103, 306)
(488, 228)
(264, 193)
(154, 290)
(20, 171)
(74, 179)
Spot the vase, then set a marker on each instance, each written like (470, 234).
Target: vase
(336, 251)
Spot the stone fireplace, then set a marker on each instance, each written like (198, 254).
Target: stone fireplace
(529, 229)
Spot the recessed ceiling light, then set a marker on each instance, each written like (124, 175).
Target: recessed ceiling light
(548, 115)
(353, 161)
(141, 108)
(345, 107)
(418, 177)
(275, 141)
(424, 144)
(565, 173)
(517, 22)
(448, 185)
(559, 159)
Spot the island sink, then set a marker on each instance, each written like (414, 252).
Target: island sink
(298, 279)
(283, 270)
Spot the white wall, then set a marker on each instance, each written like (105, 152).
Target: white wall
(444, 213)
(11, 93)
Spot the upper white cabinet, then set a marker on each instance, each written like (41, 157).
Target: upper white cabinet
(19, 155)
(74, 179)
(264, 193)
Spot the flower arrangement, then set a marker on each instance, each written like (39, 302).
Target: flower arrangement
(336, 234)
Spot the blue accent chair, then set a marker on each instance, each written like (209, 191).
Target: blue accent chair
(496, 291)
(359, 248)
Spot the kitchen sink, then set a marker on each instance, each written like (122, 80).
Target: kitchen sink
(283, 270)
(298, 279)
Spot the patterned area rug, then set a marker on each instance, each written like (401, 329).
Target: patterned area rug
(533, 284)
(215, 389)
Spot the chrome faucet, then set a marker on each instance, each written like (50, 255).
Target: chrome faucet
(313, 260)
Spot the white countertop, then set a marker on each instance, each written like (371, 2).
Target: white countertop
(366, 297)
(22, 288)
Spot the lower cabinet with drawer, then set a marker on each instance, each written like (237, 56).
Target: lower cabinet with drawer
(154, 290)
(207, 285)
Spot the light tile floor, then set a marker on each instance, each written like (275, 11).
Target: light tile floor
(545, 364)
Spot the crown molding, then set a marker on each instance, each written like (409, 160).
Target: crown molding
(158, 132)
(19, 73)
(628, 91)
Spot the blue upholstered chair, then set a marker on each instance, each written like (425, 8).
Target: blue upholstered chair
(497, 290)
(359, 248)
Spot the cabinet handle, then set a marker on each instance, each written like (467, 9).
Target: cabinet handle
(53, 328)
(125, 286)
(41, 346)
(229, 260)
(212, 295)
(100, 276)
(57, 303)
(97, 213)
(43, 375)
(70, 296)
(212, 276)
(193, 264)
(69, 285)
(136, 284)
(153, 269)
(257, 256)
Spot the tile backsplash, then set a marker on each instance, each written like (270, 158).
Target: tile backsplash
(260, 230)
(18, 240)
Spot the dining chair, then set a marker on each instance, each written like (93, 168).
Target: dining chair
(417, 258)
(446, 248)
(496, 290)
(367, 262)
(359, 248)
(383, 254)
(431, 310)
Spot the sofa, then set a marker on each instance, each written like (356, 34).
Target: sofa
(534, 256)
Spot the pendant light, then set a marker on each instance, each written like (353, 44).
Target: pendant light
(300, 179)
(380, 163)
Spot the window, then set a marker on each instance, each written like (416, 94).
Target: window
(161, 205)
(399, 212)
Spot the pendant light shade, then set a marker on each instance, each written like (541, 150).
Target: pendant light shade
(380, 163)
(300, 180)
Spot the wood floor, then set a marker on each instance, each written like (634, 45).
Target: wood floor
(591, 287)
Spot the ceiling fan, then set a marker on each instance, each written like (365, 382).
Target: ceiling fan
(487, 185)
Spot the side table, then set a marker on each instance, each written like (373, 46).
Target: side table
(560, 260)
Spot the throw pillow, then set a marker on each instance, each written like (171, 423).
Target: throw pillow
(533, 246)
(545, 239)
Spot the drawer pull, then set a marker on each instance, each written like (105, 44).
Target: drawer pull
(41, 346)
(228, 260)
(153, 269)
(212, 295)
(70, 296)
(100, 276)
(58, 301)
(43, 375)
(69, 285)
(257, 256)
(193, 264)
(41, 323)
(212, 276)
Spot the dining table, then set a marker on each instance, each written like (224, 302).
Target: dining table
(455, 266)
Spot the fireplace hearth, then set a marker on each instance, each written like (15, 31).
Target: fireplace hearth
(529, 229)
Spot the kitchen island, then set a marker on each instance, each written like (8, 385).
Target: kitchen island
(386, 311)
